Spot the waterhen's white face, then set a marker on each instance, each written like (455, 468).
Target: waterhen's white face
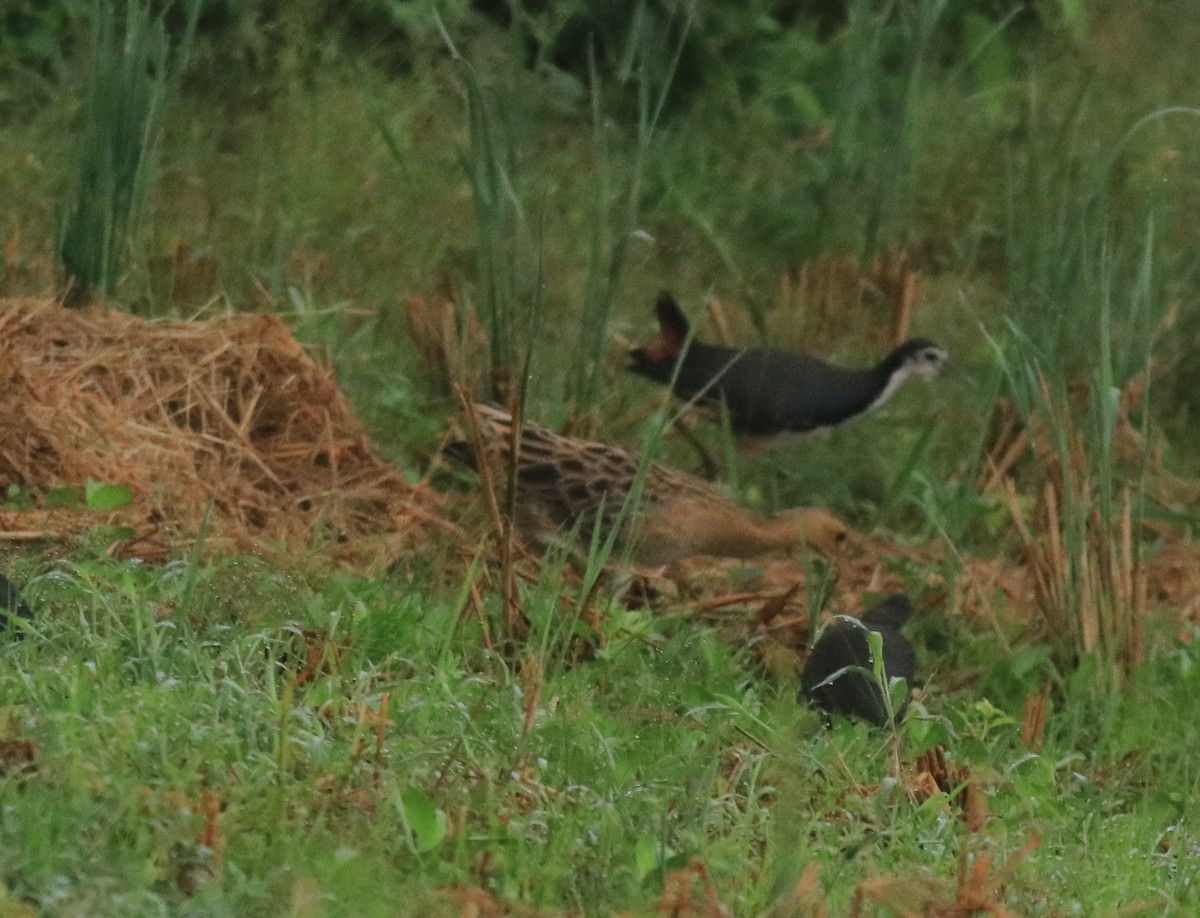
(913, 358)
(927, 361)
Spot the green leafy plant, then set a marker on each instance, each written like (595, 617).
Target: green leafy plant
(129, 77)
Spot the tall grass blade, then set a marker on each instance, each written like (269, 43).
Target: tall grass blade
(130, 76)
(1079, 536)
(611, 234)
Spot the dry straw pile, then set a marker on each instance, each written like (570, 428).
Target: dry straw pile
(224, 426)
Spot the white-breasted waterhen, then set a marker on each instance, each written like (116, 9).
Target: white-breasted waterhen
(770, 391)
(839, 676)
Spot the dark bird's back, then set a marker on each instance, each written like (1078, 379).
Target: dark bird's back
(770, 390)
(12, 603)
(844, 648)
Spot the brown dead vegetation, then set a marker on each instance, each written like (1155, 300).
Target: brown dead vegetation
(225, 427)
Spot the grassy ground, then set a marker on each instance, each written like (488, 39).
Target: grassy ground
(343, 746)
(233, 737)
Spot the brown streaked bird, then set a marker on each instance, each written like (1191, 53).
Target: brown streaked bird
(770, 391)
(563, 482)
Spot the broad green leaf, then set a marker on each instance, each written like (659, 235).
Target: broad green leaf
(107, 496)
(425, 820)
(645, 856)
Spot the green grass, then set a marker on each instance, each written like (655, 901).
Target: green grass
(566, 786)
(129, 74)
(1045, 194)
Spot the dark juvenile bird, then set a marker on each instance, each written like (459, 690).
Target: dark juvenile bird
(770, 390)
(844, 648)
(12, 603)
(564, 482)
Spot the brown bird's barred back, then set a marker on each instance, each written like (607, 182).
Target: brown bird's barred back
(564, 482)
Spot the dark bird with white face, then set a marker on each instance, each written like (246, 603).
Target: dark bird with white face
(769, 390)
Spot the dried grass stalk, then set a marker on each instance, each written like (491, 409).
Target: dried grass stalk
(836, 297)
(1089, 576)
(229, 413)
(448, 344)
(1033, 719)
